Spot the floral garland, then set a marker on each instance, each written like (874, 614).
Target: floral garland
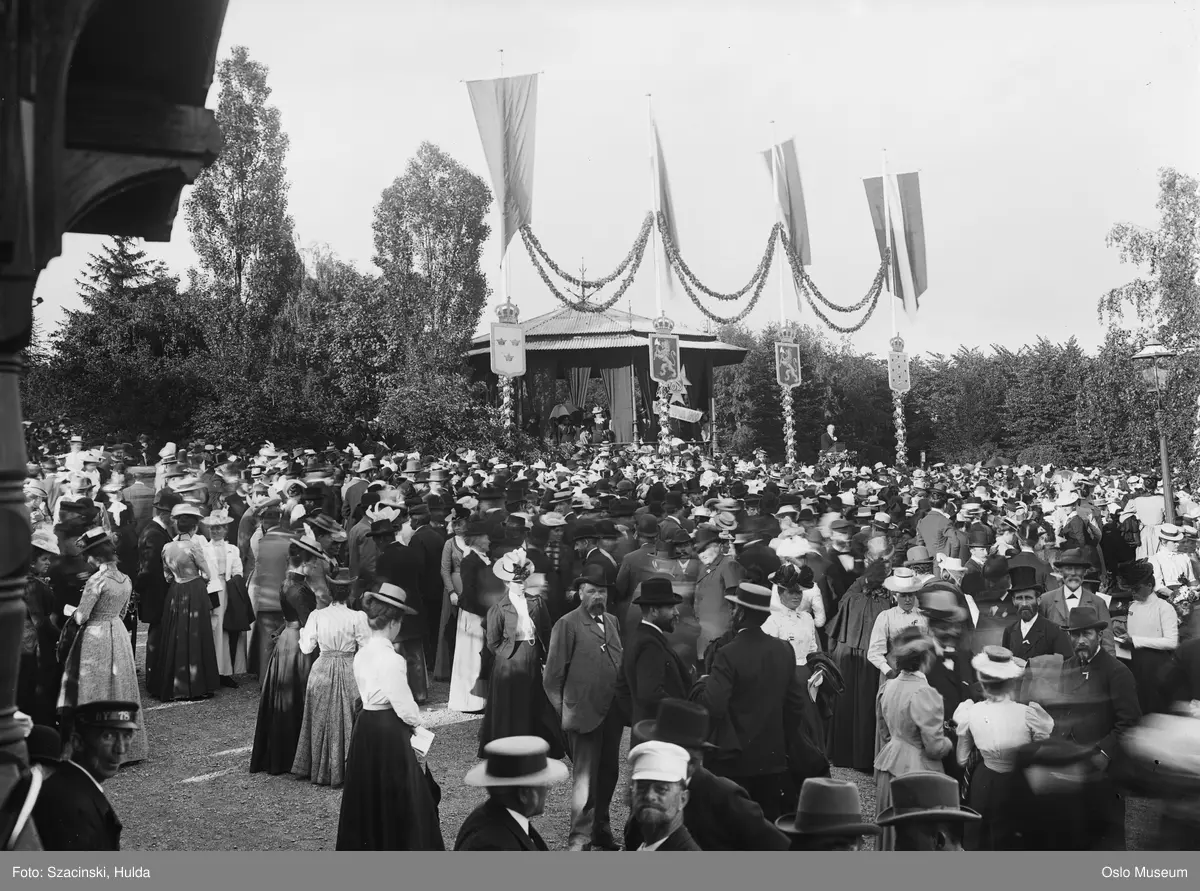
(898, 417)
(506, 404)
(633, 262)
(686, 275)
(758, 289)
(634, 254)
(799, 273)
(789, 426)
(664, 420)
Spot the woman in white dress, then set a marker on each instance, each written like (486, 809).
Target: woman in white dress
(996, 729)
(226, 562)
(478, 583)
(331, 700)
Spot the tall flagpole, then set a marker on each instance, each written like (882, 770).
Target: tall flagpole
(897, 343)
(507, 313)
(776, 157)
(661, 324)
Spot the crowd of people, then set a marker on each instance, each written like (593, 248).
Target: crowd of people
(1009, 651)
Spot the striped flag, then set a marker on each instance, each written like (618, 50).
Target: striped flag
(907, 235)
(662, 187)
(784, 169)
(506, 114)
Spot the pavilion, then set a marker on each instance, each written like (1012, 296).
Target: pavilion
(613, 345)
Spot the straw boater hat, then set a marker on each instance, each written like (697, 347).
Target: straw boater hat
(751, 596)
(902, 581)
(925, 795)
(392, 595)
(1169, 532)
(92, 539)
(185, 509)
(997, 664)
(219, 517)
(827, 807)
(307, 541)
(517, 761)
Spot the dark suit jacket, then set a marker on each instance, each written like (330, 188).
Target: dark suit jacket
(1044, 639)
(150, 585)
(429, 543)
(71, 814)
(607, 564)
(1186, 675)
(1099, 708)
(754, 699)
(490, 827)
(679, 840)
(650, 672)
(582, 666)
(720, 816)
(403, 566)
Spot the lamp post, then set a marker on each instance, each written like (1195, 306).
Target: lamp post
(1155, 363)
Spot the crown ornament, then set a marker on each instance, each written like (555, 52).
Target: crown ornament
(897, 344)
(663, 325)
(508, 313)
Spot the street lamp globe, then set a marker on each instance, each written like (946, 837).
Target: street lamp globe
(1154, 360)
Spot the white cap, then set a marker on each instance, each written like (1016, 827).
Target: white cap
(662, 761)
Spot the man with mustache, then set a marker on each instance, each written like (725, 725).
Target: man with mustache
(658, 795)
(72, 812)
(651, 670)
(1056, 605)
(1032, 635)
(1099, 706)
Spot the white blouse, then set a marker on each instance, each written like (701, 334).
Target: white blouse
(335, 628)
(1153, 625)
(382, 677)
(887, 625)
(797, 628)
(997, 728)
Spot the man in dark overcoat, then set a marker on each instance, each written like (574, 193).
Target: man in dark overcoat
(516, 774)
(150, 586)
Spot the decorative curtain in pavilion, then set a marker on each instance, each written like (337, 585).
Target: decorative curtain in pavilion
(618, 382)
(649, 394)
(577, 383)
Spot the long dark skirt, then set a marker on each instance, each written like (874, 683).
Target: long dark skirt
(989, 795)
(517, 703)
(390, 801)
(851, 736)
(1151, 670)
(262, 640)
(281, 704)
(187, 653)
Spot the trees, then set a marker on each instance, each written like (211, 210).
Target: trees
(429, 230)
(237, 213)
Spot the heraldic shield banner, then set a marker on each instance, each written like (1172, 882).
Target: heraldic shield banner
(508, 350)
(664, 358)
(898, 379)
(787, 364)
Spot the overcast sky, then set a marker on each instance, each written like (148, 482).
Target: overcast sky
(1035, 128)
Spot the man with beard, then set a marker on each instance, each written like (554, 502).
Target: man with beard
(1032, 635)
(1056, 605)
(1099, 706)
(650, 670)
(951, 675)
(658, 783)
(583, 662)
(719, 814)
(72, 812)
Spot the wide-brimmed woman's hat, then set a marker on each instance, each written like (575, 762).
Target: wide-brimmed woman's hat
(827, 807)
(903, 581)
(997, 664)
(307, 541)
(92, 539)
(47, 541)
(392, 595)
(507, 566)
(1084, 618)
(657, 591)
(925, 795)
(751, 596)
(219, 517)
(323, 524)
(517, 761)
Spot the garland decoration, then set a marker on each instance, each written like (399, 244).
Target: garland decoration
(664, 420)
(629, 267)
(806, 288)
(901, 441)
(506, 404)
(789, 426)
(687, 279)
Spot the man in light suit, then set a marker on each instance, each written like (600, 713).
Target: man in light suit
(583, 663)
(1056, 605)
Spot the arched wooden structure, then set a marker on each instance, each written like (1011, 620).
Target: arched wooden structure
(102, 124)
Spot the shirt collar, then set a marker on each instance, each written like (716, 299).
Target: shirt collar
(652, 625)
(87, 773)
(522, 820)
